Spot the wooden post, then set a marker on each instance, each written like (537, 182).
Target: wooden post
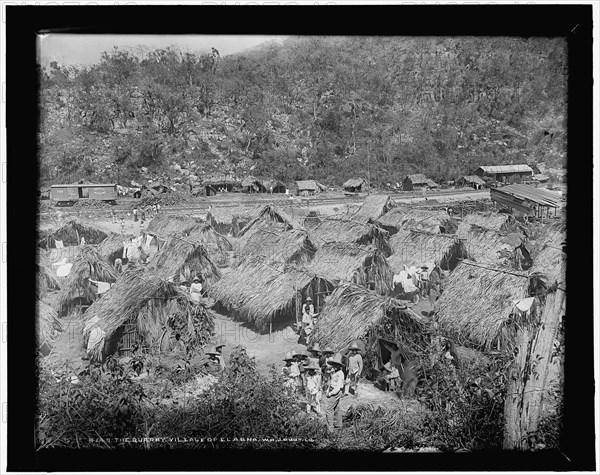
(270, 327)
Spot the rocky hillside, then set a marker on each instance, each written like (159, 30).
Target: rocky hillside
(325, 108)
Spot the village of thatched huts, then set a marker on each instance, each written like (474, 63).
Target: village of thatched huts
(71, 234)
(352, 312)
(373, 208)
(268, 294)
(434, 221)
(48, 327)
(355, 185)
(350, 231)
(143, 309)
(267, 216)
(281, 245)
(89, 277)
(349, 262)
(47, 279)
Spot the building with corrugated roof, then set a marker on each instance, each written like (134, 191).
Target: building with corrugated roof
(505, 173)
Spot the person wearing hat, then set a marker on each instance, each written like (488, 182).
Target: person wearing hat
(298, 372)
(309, 329)
(288, 371)
(196, 290)
(213, 365)
(355, 367)
(333, 394)
(315, 354)
(389, 378)
(326, 355)
(313, 387)
(308, 312)
(219, 349)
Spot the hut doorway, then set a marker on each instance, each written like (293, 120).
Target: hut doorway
(130, 338)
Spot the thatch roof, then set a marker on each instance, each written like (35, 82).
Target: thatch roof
(549, 260)
(373, 208)
(349, 231)
(46, 275)
(285, 246)
(268, 215)
(484, 245)
(344, 262)
(416, 248)
(217, 245)
(260, 292)
(145, 296)
(229, 220)
(310, 185)
(164, 225)
(500, 222)
(417, 179)
(112, 247)
(87, 265)
(435, 221)
(354, 183)
(350, 312)
(48, 327)
(477, 302)
(71, 233)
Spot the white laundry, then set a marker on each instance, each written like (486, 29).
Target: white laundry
(408, 286)
(96, 336)
(102, 286)
(148, 241)
(524, 304)
(125, 245)
(62, 262)
(64, 270)
(59, 244)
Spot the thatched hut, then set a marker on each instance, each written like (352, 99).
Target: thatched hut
(48, 327)
(433, 221)
(281, 245)
(46, 275)
(363, 265)
(349, 231)
(112, 247)
(80, 288)
(353, 313)
(275, 186)
(266, 217)
(414, 247)
(228, 221)
(355, 185)
(71, 233)
(267, 293)
(374, 207)
(181, 259)
(502, 223)
(164, 225)
(217, 245)
(144, 309)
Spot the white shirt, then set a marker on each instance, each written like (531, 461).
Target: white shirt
(336, 382)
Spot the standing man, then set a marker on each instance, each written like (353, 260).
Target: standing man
(118, 265)
(196, 290)
(355, 367)
(333, 412)
(221, 358)
(289, 381)
(313, 387)
(135, 213)
(308, 312)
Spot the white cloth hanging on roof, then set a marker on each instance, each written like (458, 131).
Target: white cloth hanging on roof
(125, 245)
(59, 244)
(96, 336)
(62, 262)
(102, 286)
(64, 270)
(524, 304)
(147, 243)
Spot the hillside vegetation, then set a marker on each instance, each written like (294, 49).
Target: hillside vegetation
(328, 108)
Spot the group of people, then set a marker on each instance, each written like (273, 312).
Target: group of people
(321, 372)
(421, 282)
(196, 289)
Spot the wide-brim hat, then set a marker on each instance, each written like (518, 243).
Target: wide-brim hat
(288, 357)
(337, 359)
(328, 349)
(354, 346)
(388, 366)
(196, 279)
(299, 353)
(308, 299)
(315, 347)
(311, 365)
(220, 345)
(211, 350)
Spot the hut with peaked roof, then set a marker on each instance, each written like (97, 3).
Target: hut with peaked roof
(144, 310)
(383, 323)
(502, 223)
(217, 245)
(373, 208)
(355, 185)
(349, 262)
(279, 244)
(70, 233)
(229, 221)
(433, 221)
(473, 181)
(220, 184)
(48, 327)
(82, 284)
(253, 185)
(112, 247)
(268, 294)
(350, 231)
(417, 181)
(166, 224)
(46, 275)
(309, 187)
(266, 217)
(275, 186)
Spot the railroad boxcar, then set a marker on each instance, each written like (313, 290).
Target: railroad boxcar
(69, 194)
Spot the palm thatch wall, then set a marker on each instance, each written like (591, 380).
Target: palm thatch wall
(158, 308)
(347, 231)
(87, 265)
(46, 275)
(416, 248)
(217, 245)
(278, 244)
(164, 225)
(260, 293)
(182, 259)
(48, 327)
(373, 208)
(476, 305)
(549, 260)
(434, 221)
(112, 247)
(268, 215)
(352, 312)
(500, 222)
(363, 265)
(71, 233)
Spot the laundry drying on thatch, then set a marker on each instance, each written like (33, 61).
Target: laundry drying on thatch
(181, 259)
(70, 234)
(348, 231)
(112, 247)
(228, 220)
(164, 225)
(48, 327)
(374, 207)
(477, 303)
(434, 221)
(217, 245)
(143, 309)
(46, 275)
(348, 262)
(267, 216)
(354, 313)
(81, 285)
(415, 248)
(262, 292)
(278, 244)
